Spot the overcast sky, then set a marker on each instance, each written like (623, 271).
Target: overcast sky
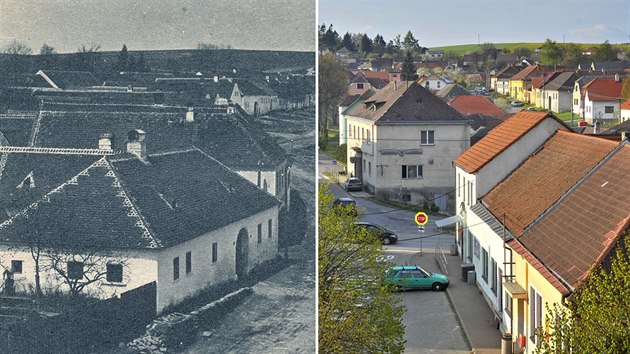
(450, 22)
(159, 24)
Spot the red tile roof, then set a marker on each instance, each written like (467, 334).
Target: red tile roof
(475, 104)
(543, 178)
(383, 75)
(534, 262)
(625, 105)
(581, 230)
(525, 73)
(603, 89)
(499, 139)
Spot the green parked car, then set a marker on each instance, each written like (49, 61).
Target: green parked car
(414, 277)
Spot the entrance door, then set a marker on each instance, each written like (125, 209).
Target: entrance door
(242, 247)
(256, 108)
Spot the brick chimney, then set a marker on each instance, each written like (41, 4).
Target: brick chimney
(105, 141)
(136, 144)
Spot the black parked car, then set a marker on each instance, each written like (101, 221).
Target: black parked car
(347, 204)
(387, 237)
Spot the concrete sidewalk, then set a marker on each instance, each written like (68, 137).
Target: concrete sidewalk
(477, 319)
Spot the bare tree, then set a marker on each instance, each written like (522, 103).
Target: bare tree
(18, 48)
(91, 48)
(47, 50)
(80, 268)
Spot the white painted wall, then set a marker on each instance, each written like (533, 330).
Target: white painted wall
(139, 268)
(503, 164)
(625, 115)
(204, 272)
(596, 109)
(265, 176)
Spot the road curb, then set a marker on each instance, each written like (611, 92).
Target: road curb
(452, 304)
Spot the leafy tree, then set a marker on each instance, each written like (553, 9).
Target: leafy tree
(378, 44)
(333, 88)
(365, 45)
(598, 318)
(522, 52)
(605, 52)
(357, 312)
(47, 50)
(348, 42)
(17, 48)
(551, 53)
(408, 69)
(488, 51)
(123, 60)
(572, 55)
(410, 43)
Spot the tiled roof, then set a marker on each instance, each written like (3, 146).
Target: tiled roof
(117, 203)
(515, 245)
(234, 139)
(377, 83)
(562, 161)
(621, 127)
(452, 90)
(383, 75)
(247, 88)
(398, 103)
(525, 72)
(16, 131)
(581, 230)
(562, 81)
(499, 139)
(350, 99)
(475, 104)
(603, 89)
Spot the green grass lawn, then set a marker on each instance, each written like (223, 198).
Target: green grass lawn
(333, 141)
(467, 48)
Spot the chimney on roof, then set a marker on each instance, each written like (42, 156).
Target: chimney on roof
(190, 114)
(136, 143)
(105, 141)
(395, 85)
(624, 135)
(616, 77)
(216, 78)
(267, 78)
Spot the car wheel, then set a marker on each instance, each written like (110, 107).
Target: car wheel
(387, 241)
(398, 288)
(437, 287)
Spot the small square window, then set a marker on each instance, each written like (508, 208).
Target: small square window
(16, 266)
(114, 273)
(188, 262)
(75, 270)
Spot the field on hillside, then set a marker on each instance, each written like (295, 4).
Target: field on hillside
(467, 48)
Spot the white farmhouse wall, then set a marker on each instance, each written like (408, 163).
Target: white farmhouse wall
(625, 115)
(139, 268)
(484, 238)
(203, 271)
(265, 176)
(596, 110)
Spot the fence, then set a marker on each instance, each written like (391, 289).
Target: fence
(88, 327)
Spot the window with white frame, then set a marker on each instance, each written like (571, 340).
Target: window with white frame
(495, 272)
(411, 171)
(427, 137)
(535, 313)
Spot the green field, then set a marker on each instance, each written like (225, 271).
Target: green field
(467, 48)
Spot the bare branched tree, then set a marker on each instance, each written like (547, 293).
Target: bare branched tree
(47, 50)
(80, 268)
(18, 48)
(91, 48)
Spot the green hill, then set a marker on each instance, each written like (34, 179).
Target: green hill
(467, 48)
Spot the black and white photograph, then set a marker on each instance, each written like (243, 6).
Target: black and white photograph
(157, 176)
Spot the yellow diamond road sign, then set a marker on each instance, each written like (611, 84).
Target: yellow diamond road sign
(421, 218)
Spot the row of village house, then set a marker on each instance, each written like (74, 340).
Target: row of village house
(597, 93)
(103, 184)
(536, 204)
(256, 96)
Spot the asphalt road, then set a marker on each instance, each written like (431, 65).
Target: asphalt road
(430, 321)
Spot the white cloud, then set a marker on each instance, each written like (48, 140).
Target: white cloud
(591, 31)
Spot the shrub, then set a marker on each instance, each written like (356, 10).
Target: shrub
(341, 154)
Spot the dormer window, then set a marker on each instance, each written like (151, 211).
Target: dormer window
(28, 179)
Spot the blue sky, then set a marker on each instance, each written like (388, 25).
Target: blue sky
(159, 24)
(451, 22)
